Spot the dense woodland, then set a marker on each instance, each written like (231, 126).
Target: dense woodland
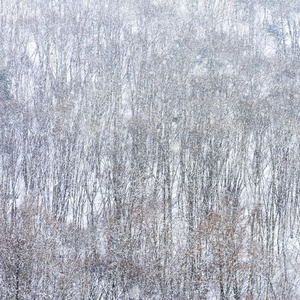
(150, 149)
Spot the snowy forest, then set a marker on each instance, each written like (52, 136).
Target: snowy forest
(150, 149)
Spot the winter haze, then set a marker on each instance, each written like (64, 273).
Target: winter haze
(150, 149)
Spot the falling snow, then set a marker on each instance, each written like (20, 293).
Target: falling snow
(149, 149)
